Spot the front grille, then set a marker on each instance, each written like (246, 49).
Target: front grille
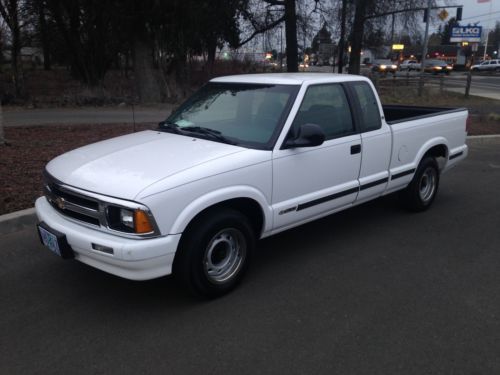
(93, 209)
(70, 203)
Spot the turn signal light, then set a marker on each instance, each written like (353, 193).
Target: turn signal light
(142, 223)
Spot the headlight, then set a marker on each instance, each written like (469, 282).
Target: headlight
(129, 220)
(383, 66)
(449, 67)
(394, 66)
(438, 68)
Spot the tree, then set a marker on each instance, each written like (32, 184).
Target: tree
(36, 15)
(435, 39)
(10, 11)
(267, 20)
(446, 33)
(92, 33)
(494, 38)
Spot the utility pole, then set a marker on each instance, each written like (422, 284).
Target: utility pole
(424, 49)
(487, 32)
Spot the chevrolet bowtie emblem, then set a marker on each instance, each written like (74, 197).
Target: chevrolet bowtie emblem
(60, 202)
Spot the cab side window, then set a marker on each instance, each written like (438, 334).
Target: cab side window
(370, 114)
(326, 106)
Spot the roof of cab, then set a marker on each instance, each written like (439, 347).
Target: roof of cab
(288, 78)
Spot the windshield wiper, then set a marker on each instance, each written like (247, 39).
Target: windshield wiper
(215, 134)
(169, 126)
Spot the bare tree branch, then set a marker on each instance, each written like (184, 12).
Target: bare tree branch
(261, 30)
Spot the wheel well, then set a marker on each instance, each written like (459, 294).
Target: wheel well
(247, 206)
(438, 151)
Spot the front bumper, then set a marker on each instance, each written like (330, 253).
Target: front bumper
(135, 259)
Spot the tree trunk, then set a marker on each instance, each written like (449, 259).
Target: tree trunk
(357, 37)
(342, 37)
(211, 51)
(15, 48)
(2, 136)
(146, 82)
(292, 58)
(44, 36)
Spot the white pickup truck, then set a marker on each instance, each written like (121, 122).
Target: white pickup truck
(244, 158)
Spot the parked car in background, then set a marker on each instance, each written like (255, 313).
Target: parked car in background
(487, 66)
(437, 66)
(408, 65)
(384, 66)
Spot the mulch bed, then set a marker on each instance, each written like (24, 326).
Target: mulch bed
(30, 148)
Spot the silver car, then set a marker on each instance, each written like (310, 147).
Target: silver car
(487, 66)
(408, 65)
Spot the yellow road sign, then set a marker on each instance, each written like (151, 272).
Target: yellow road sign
(443, 15)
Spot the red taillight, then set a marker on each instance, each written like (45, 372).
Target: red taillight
(467, 124)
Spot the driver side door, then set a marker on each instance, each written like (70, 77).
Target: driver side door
(309, 182)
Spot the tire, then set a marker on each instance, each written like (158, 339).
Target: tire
(422, 190)
(214, 253)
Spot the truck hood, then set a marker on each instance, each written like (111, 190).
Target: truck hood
(121, 167)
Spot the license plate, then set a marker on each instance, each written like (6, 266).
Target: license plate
(49, 240)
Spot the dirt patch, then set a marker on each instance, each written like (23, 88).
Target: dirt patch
(29, 149)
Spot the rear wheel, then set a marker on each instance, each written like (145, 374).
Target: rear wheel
(214, 253)
(422, 190)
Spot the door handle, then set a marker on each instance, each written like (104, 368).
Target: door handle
(355, 149)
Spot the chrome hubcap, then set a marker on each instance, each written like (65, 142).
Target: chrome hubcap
(427, 185)
(224, 255)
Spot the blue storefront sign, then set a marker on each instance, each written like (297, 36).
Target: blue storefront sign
(466, 34)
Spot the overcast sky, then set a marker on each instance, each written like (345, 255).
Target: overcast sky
(474, 12)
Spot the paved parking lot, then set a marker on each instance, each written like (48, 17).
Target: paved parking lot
(372, 290)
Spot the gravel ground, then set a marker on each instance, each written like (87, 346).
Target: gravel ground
(30, 148)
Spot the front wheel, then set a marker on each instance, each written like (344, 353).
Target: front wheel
(422, 190)
(214, 253)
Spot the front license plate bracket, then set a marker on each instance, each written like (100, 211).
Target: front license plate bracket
(55, 241)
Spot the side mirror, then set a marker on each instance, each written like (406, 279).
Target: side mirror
(309, 135)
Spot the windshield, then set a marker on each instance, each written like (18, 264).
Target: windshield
(385, 62)
(249, 115)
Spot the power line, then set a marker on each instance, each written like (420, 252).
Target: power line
(480, 15)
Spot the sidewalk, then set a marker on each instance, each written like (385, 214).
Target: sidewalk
(75, 116)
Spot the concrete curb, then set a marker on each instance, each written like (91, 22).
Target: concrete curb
(483, 139)
(16, 221)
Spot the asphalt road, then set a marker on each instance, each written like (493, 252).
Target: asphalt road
(372, 290)
(483, 84)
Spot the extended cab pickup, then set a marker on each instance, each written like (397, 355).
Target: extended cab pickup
(244, 158)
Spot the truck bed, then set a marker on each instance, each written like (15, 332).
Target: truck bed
(395, 114)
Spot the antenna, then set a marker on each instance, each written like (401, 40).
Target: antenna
(133, 115)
